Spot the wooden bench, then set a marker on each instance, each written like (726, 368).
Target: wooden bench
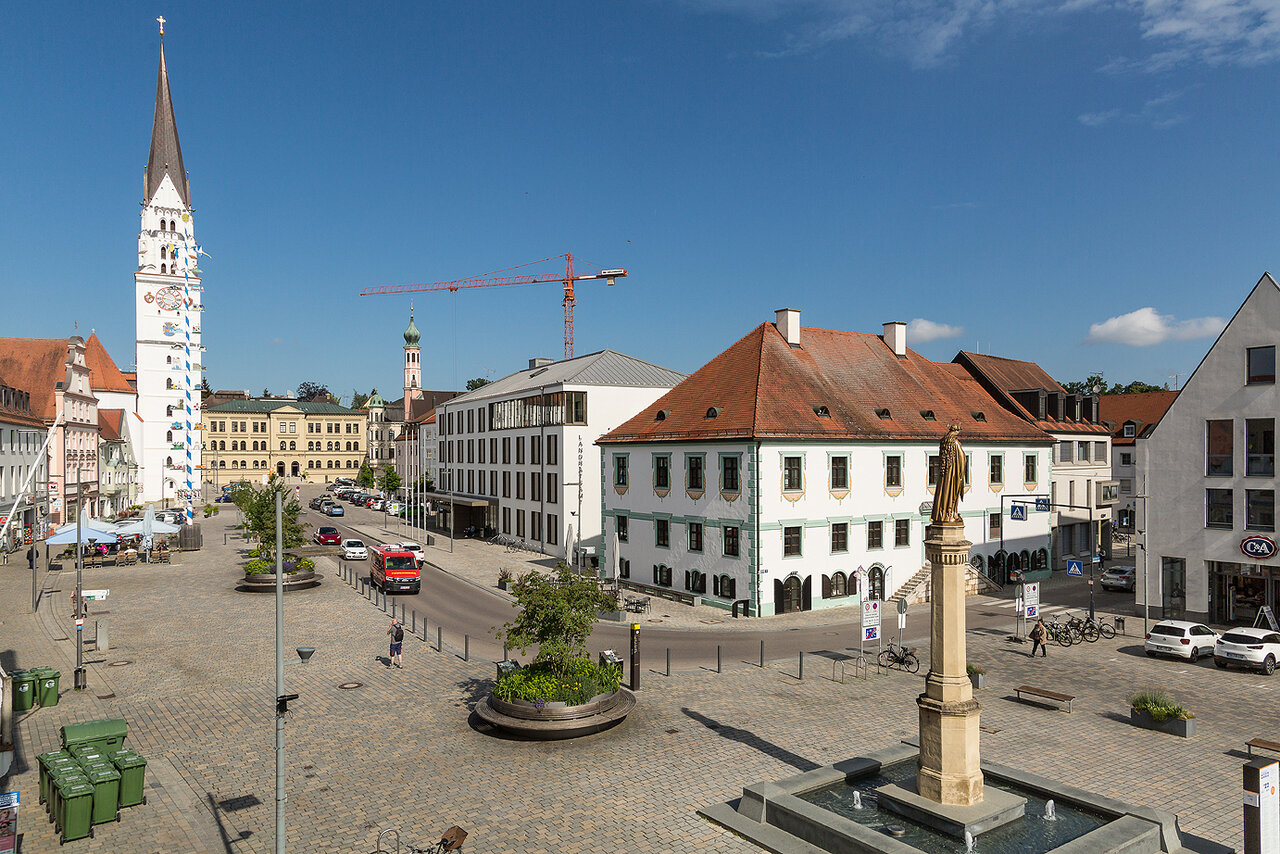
(1043, 694)
(1263, 744)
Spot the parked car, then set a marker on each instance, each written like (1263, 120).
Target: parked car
(368, 500)
(412, 547)
(376, 504)
(317, 503)
(224, 498)
(334, 510)
(327, 535)
(1252, 648)
(1181, 638)
(355, 497)
(354, 550)
(1119, 578)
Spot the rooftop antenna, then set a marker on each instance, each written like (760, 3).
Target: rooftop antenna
(1175, 377)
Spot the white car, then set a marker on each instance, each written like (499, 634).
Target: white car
(1253, 648)
(376, 504)
(1182, 639)
(412, 547)
(354, 550)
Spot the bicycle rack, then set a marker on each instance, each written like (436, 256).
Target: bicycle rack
(384, 833)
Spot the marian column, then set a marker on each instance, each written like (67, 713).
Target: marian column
(950, 771)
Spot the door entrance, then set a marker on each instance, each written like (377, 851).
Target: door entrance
(788, 595)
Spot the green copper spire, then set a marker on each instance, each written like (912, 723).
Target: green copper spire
(411, 335)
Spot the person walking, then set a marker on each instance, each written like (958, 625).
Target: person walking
(1038, 635)
(396, 631)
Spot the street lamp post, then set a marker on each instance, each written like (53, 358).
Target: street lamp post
(81, 681)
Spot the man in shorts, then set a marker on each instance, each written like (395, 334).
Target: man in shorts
(396, 631)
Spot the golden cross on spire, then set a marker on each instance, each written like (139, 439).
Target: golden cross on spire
(161, 20)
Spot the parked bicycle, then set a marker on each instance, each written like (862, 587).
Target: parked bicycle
(1060, 632)
(903, 658)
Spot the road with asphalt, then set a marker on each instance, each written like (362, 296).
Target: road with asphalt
(463, 608)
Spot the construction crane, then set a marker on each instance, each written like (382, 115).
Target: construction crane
(566, 280)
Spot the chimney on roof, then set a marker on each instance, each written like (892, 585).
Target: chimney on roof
(788, 323)
(895, 335)
(539, 362)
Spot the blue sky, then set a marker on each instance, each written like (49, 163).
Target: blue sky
(1089, 185)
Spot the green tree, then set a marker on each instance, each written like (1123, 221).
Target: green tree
(358, 399)
(389, 482)
(476, 383)
(258, 504)
(308, 391)
(205, 388)
(365, 478)
(556, 613)
(1095, 384)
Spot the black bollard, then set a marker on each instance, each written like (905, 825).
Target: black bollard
(635, 656)
(718, 660)
(801, 669)
(762, 655)
(466, 647)
(439, 638)
(668, 661)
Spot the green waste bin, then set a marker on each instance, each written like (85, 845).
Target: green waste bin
(62, 775)
(48, 762)
(106, 791)
(107, 734)
(133, 771)
(47, 686)
(75, 809)
(87, 754)
(24, 690)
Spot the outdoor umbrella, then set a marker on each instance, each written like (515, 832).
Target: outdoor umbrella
(139, 526)
(66, 538)
(88, 525)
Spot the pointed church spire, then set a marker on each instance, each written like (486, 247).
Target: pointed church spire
(166, 154)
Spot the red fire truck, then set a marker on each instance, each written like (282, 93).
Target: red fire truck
(394, 570)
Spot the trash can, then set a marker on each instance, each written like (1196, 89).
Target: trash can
(62, 775)
(75, 809)
(107, 734)
(47, 686)
(1120, 625)
(507, 666)
(87, 754)
(106, 791)
(24, 690)
(609, 658)
(133, 771)
(48, 763)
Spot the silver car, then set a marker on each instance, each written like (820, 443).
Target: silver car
(354, 550)
(1119, 578)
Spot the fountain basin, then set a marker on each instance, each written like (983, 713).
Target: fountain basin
(814, 812)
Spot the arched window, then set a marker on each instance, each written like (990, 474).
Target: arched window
(168, 360)
(328, 464)
(168, 437)
(163, 269)
(163, 253)
(875, 583)
(222, 464)
(293, 446)
(222, 445)
(839, 584)
(168, 461)
(173, 226)
(355, 446)
(309, 464)
(282, 446)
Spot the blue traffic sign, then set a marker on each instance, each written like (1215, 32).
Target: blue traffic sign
(1042, 504)
(1018, 512)
(1075, 568)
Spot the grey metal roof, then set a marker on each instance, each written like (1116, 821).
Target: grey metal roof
(166, 153)
(308, 406)
(605, 368)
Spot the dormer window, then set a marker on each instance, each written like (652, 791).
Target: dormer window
(883, 415)
(714, 411)
(662, 415)
(822, 412)
(927, 415)
(1130, 430)
(979, 416)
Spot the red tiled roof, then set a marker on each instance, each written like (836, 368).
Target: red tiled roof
(1010, 375)
(1145, 409)
(764, 388)
(35, 365)
(103, 373)
(109, 424)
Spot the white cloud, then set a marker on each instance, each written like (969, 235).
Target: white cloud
(1157, 112)
(928, 32)
(920, 331)
(1145, 327)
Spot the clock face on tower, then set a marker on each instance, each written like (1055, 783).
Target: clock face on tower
(170, 298)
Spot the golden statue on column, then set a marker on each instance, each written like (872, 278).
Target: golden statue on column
(946, 500)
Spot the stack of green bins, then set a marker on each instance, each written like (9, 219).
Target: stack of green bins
(133, 771)
(106, 734)
(61, 775)
(86, 754)
(75, 808)
(49, 762)
(24, 690)
(47, 685)
(106, 791)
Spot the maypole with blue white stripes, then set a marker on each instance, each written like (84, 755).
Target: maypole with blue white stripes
(188, 256)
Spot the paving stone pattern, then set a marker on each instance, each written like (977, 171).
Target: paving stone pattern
(405, 750)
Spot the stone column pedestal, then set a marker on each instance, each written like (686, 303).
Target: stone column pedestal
(949, 761)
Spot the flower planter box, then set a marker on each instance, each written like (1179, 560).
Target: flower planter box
(503, 584)
(555, 710)
(978, 680)
(1173, 726)
(299, 580)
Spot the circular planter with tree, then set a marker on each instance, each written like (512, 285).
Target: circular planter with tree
(563, 693)
(258, 506)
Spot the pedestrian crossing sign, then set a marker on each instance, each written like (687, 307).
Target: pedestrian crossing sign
(1018, 512)
(1075, 568)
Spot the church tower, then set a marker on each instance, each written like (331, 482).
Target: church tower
(412, 367)
(168, 300)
